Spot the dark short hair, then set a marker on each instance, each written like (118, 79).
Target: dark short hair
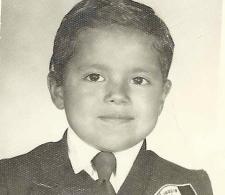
(98, 13)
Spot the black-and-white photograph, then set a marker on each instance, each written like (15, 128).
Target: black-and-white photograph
(106, 97)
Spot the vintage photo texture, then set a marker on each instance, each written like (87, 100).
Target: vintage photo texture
(188, 131)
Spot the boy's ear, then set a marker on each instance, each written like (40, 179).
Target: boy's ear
(166, 89)
(56, 92)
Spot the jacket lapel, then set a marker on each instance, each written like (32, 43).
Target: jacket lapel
(57, 175)
(139, 175)
(52, 170)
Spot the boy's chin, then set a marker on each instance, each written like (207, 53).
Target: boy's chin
(115, 147)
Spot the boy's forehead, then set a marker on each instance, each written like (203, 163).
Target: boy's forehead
(116, 46)
(112, 38)
(112, 32)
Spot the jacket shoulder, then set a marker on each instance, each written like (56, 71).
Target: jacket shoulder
(29, 163)
(171, 173)
(17, 173)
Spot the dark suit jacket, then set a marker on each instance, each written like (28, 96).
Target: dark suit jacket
(46, 170)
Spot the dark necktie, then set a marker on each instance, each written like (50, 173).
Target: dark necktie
(105, 164)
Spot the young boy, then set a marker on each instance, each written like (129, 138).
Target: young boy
(109, 73)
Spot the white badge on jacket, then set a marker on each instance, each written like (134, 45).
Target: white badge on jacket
(176, 189)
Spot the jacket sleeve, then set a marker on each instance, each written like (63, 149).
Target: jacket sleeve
(205, 183)
(3, 182)
(3, 190)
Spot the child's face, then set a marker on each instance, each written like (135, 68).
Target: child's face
(113, 90)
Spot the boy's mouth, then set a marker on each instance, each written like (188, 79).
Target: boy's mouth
(116, 118)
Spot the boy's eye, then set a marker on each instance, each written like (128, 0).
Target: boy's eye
(140, 81)
(94, 77)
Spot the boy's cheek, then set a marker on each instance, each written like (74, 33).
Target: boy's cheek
(81, 99)
(146, 100)
(147, 108)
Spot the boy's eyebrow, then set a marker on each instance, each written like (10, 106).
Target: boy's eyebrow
(106, 68)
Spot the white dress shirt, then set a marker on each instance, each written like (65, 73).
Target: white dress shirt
(81, 154)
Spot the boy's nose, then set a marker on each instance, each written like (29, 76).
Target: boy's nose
(117, 93)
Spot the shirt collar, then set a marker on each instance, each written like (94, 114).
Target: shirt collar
(81, 154)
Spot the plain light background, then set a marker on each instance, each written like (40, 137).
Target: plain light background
(190, 129)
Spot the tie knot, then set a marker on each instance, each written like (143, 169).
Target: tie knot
(105, 164)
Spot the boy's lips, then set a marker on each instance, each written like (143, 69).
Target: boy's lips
(116, 118)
